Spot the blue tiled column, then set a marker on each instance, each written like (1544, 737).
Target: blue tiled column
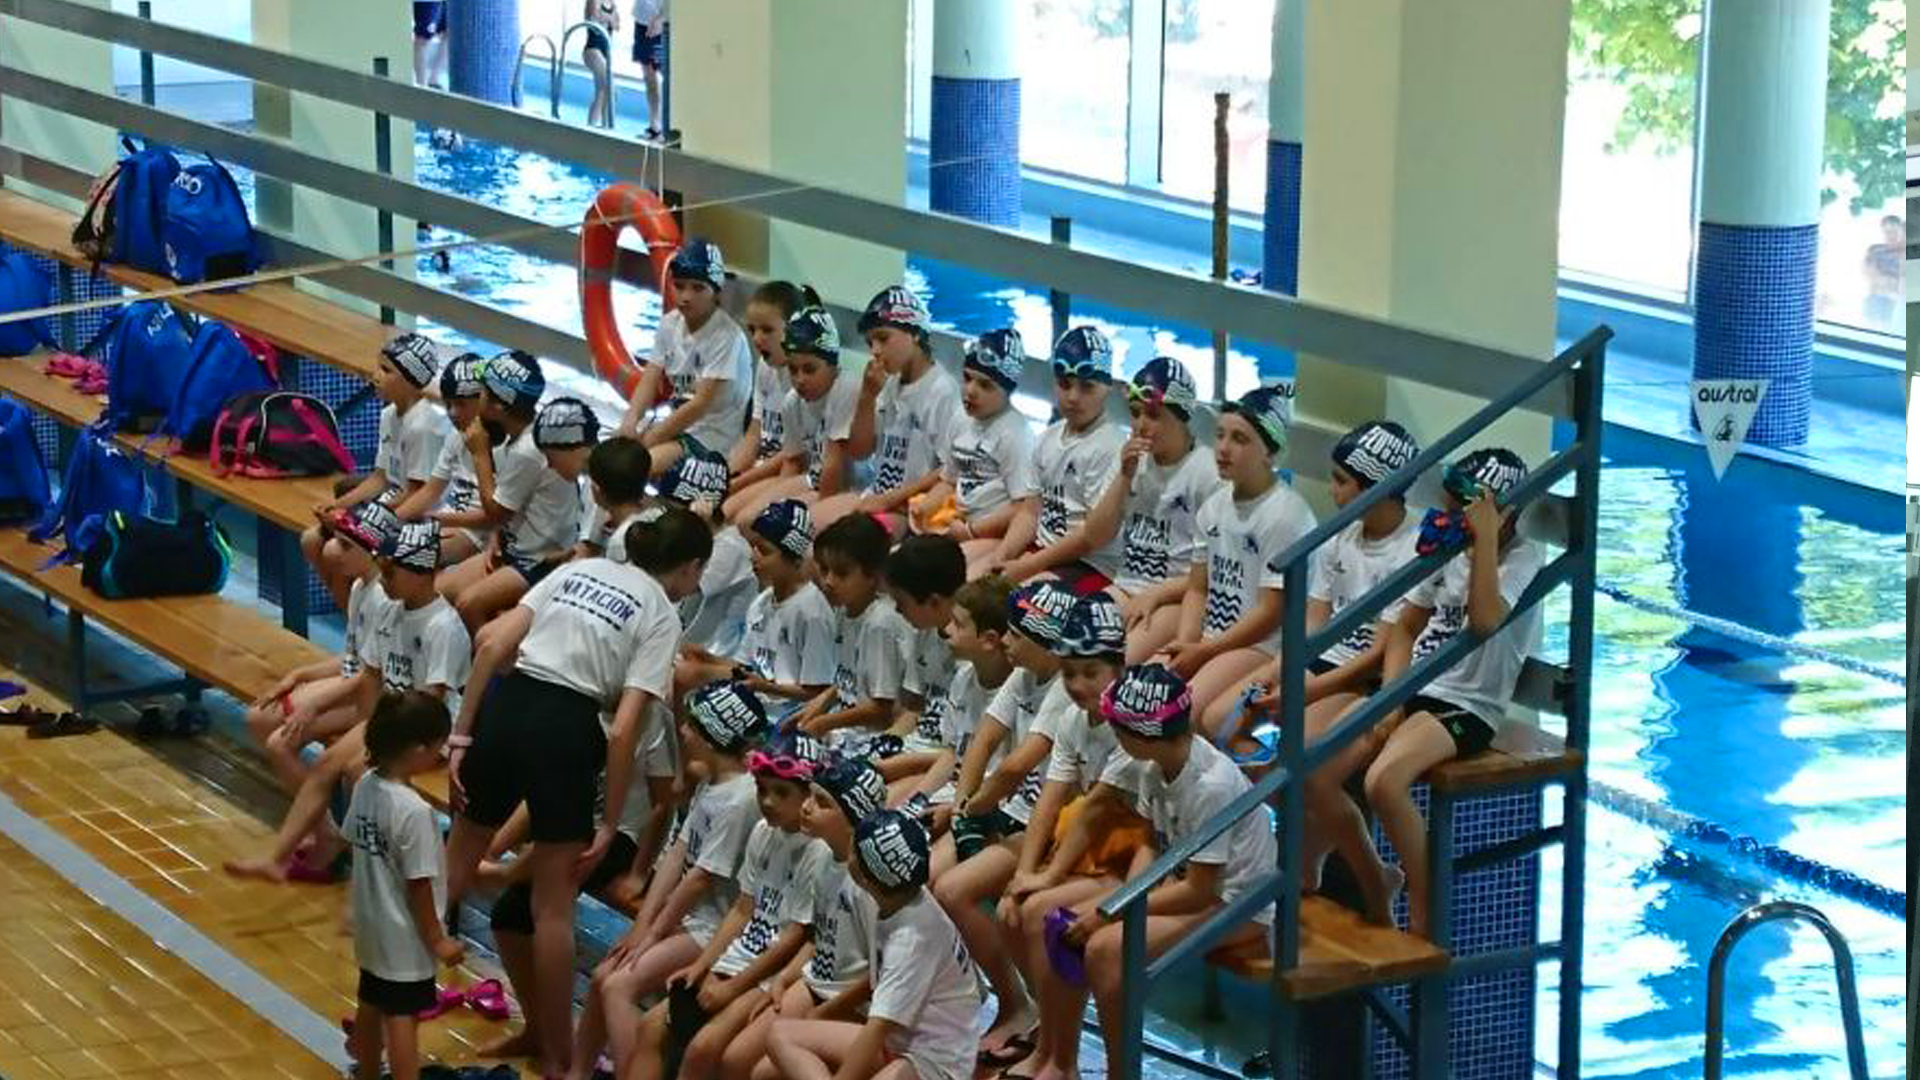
(1280, 248)
(1760, 166)
(974, 160)
(483, 37)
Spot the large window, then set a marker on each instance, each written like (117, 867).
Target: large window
(1073, 92)
(1213, 47)
(1862, 230)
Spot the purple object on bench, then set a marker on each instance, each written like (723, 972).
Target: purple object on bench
(1068, 962)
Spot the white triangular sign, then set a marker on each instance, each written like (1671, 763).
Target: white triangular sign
(1724, 408)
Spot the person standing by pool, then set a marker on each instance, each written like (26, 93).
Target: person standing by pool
(603, 21)
(650, 52)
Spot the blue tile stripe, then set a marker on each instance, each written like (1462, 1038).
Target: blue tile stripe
(976, 126)
(1280, 262)
(1753, 319)
(483, 37)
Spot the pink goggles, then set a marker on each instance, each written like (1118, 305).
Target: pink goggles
(779, 766)
(1156, 723)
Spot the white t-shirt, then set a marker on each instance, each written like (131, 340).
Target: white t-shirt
(719, 820)
(843, 932)
(718, 350)
(1177, 808)
(1056, 711)
(715, 616)
(366, 605)
(1348, 568)
(410, 442)
(1241, 538)
(924, 981)
(991, 462)
(1482, 682)
(455, 466)
(656, 755)
(915, 428)
(599, 628)
(939, 727)
(544, 504)
(929, 666)
(870, 653)
(420, 647)
(394, 840)
(1086, 753)
(780, 872)
(770, 389)
(1072, 470)
(791, 640)
(811, 425)
(601, 532)
(1159, 530)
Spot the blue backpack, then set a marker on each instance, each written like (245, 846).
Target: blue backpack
(140, 193)
(24, 493)
(101, 479)
(222, 368)
(24, 285)
(149, 347)
(206, 230)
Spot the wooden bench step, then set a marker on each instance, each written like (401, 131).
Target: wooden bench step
(1500, 769)
(286, 503)
(221, 643)
(1340, 952)
(300, 323)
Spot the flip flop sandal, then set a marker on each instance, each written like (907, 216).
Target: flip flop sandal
(191, 720)
(446, 999)
(1012, 1052)
(25, 716)
(64, 725)
(301, 869)
(488, 998)
(152, 723)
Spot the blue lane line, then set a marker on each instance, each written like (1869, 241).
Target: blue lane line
(173, 934)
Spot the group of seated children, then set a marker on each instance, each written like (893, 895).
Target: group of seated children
(979, 678)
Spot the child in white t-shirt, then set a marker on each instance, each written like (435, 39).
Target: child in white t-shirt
(714, 616)
(771, 920)
(923, 575)
(452, 492)
(987, 474)
(1180, 781)
(925, 991)
(993, 802)
(826, 421)
(410, 433)
(698, 877)
(702, 366)
(1153, 505)
(617, 471)
(977, 637)
(765, 322)
(1076, 460)
(871, 653)
(914, 403)
(787, 651)
(397, 892)
(1460, 712)
(1229, 619)
(538, 489)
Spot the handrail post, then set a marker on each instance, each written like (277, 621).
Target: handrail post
(383, 164)
(1283, 1036)
(1133, 992)
(146, 60)
(1584, 536)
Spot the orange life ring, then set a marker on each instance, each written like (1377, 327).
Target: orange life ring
(619, 207)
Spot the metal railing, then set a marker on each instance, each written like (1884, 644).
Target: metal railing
(518, 91)
(1748, 921)
(1585, 362)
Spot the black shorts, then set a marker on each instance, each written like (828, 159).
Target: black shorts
(650, 49)
(1321, 666)
(396, 998)
(533, 571)
(973, 832)
(513, 911)
(539, 743)
(1471, 732)
(429, 21)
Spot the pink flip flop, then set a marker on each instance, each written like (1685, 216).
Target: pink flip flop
(447, 1000)
(488, 998)
(66, 365)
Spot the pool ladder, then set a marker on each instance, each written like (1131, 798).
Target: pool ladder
(555, 53)
(1742, 924)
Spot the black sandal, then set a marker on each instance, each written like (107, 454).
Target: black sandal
(62, 726)
(25, 716)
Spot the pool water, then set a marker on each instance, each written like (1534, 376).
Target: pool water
(1790, 750)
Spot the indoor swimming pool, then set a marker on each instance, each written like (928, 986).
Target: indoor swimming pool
(1787, 729)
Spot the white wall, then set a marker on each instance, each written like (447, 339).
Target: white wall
(227, 18)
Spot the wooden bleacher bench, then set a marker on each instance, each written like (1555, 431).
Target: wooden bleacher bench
(297, 322)
(286, 503)
(1339, 952)
(216, 641)
(1541, 687)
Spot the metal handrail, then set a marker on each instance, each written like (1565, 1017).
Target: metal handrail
(566, 39)
(1585, 362)
(1745, 923)
(553, 73)
(1369, 342)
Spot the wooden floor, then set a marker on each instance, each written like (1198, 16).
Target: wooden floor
(107, 1001)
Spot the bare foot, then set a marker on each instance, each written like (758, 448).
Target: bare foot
(521, 1044)
(257, 869)
(1380, 898)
